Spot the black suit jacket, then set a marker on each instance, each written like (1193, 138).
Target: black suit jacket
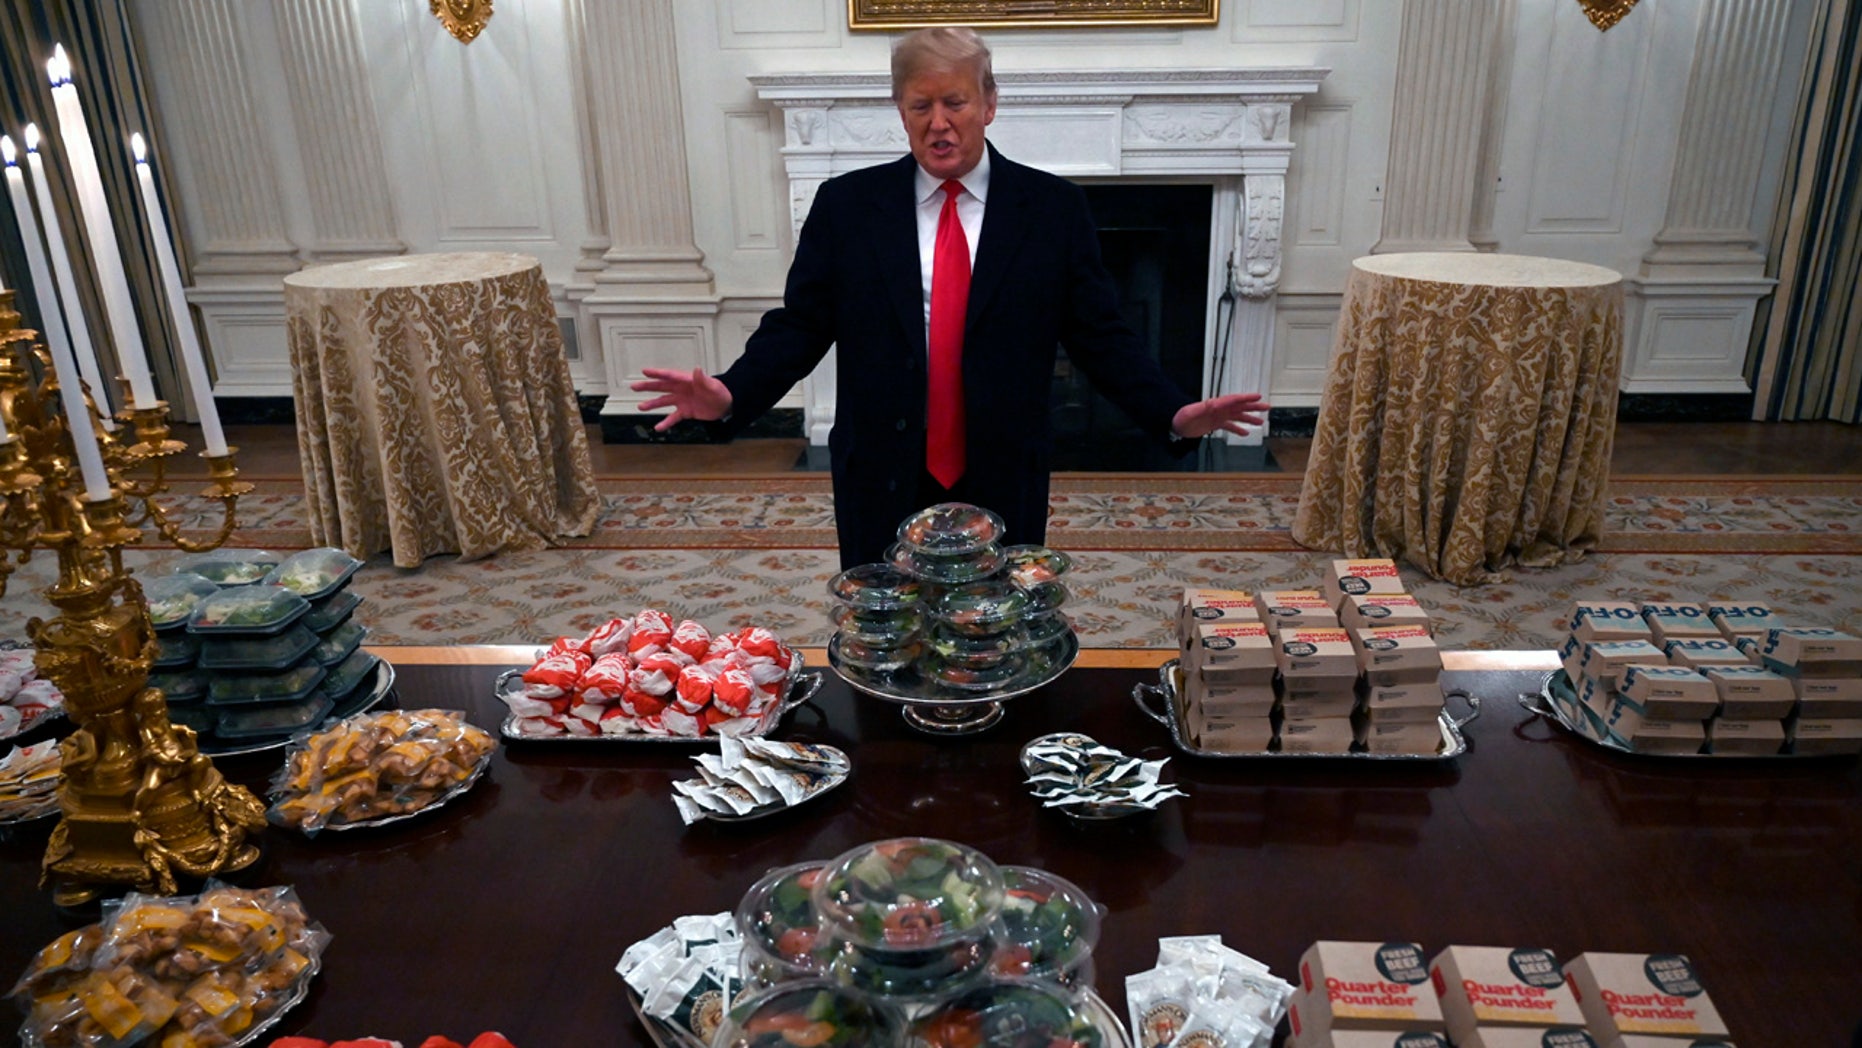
(1038, 283)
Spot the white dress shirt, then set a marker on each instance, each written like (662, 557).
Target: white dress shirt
(969, 211)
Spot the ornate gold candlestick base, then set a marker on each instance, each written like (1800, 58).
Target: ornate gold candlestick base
(141, 805)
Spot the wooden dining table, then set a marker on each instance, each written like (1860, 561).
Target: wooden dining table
(509, 908)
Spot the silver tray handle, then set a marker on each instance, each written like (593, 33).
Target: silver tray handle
(1474, 708)
(1144, 694)
(802, 688)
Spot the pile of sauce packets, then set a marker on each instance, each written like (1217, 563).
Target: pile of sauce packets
(1077, 775)
(686, 975)
(750, 777)
(1204, 993)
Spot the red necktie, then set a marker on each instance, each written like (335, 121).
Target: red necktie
(950, 296)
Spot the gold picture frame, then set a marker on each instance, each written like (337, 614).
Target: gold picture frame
(1028, 14)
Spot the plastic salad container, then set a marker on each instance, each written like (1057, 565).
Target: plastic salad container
(314, 573)
(332, 611)
(875, 659)
(175, 650)
(180, 688)
(981, 608)
(875, 587)
(998, 677)
(343, 679)
(977, 653)
(1047, 929)
(947, 570)
(247, 609)
(267, 652)
(228, 567)
(274, 719)
(812, 1012)
(911, 915)
(878, 629)
(1046, 629)
(244, 689)
(776, 923)
(1033, 565)
(950, 528)
(172, 598)
(1008, 1013)
(340, 644)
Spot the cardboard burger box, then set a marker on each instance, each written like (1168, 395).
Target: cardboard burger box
(1828, 697)
(1607, 620)
(1323, 735)
(1744, 738)
(1381, 609)
(1401, 703)
(1642, 993)
(1318, 705)
(1367, 1038)
(1221, 698)
(1387, 737)
(1236, 652)
(1639, 1041)
(1668, 692)
(1366, 986)
(1669, 620)
(1810, 735)
(1531, 1037)
(1356, 578)
(1212, 607)
(1500, 986)
(1751, 692)
(1812, 651)
(1604, 660)
(1700, 652)
(1282, 609)
(1235, 734)
(1742, 618)
(1304, 653)
(1396, 654)
(1629, 729)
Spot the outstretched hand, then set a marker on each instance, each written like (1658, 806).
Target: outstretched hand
(690, 396)
(1233, 412)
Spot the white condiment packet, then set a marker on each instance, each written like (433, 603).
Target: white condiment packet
(1159, 1001)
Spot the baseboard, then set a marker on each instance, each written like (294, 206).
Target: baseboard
(1684, 407)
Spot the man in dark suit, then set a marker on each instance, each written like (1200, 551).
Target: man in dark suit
(947, 278)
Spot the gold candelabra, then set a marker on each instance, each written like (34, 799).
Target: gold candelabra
(139, 803)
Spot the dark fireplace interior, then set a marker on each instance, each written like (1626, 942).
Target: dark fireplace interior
(1155, 240)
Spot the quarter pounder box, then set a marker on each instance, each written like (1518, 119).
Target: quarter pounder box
(1607, 620)
(1497, 986)
(1745, 738)
(1636, 1040)
(1220, 697)
(1283, 609)
(1239, 735)
(1382, 609)
(1530, 1037)
(1385, 737)
(1236, 652)
(1210, 607)
(1365, 1038)
(1641, 993)
(1402, 703)
(1396, 654)
(1669, 692)
(1325, 735)
(1812, 651)
(1366, 985)
(1751, 692)
(1356, 578)
(1304, 651)
(1742, 618)
(1671, 620)
(1316, 705)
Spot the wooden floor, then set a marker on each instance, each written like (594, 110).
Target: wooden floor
(1642, 449)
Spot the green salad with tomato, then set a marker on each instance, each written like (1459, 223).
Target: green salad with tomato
(777, 923)
(911, 893)
(806, 1015)
(1006, 1015)
(1047, 928)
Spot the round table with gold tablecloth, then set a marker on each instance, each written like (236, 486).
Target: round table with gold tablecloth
(434, 406)
(1469, 413)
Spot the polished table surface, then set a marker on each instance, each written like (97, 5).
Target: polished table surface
(1469, 413)
(508, 909)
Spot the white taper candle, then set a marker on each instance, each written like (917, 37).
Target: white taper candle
(79, 327)
(191, 358)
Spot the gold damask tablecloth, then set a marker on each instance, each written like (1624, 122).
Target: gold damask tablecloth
(1469, 413)
(435, 410)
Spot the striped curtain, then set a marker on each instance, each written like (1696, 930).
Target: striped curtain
(97, 38)
(1809, 364)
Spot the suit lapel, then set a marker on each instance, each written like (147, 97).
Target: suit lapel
(1005, 223)
(895, 239)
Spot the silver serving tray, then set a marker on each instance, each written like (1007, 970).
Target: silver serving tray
(1454, 742)
(379, 691)
(917, 690)
(802, 688)
(1542, 704)
(832, 782)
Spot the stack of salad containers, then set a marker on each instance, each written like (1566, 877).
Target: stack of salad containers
(951, 606)
(251, 647)
(915, 940)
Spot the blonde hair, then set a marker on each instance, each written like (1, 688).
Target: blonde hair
(941, 47)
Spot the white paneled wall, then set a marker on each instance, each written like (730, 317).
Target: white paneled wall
(327, 129)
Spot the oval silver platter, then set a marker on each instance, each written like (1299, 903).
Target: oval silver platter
(292, 996)
(377, 692)
(802, 688)
(1082, 812)
(1454, 742)
(828, 784)
(1545, 704)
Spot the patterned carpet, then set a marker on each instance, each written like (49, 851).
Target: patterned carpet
(759, 549)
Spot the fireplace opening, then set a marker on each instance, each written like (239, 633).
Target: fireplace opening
(1155, 241)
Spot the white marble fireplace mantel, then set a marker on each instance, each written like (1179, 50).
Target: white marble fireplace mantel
(1228, 128)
